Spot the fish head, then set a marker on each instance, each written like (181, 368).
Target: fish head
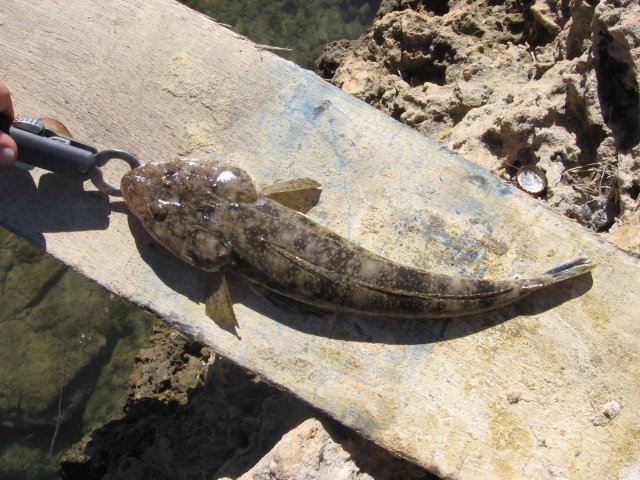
(178, 200)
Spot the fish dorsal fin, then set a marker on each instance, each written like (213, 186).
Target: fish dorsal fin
(218, 306)
(300, 194)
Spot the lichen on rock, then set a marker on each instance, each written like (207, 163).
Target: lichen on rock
(546, 83)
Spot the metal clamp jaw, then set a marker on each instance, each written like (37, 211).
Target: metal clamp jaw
(40, 147)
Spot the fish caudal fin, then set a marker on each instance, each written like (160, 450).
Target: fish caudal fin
(564, 271)
(570, 269)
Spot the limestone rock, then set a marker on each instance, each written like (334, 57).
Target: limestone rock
(306, 453)
(550, 83)
(627, 235)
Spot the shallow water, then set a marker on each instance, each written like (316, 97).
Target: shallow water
(305, 26)
(66, 352)
(67, 346)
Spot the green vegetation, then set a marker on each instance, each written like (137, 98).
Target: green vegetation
(303, 25)
(66, 352)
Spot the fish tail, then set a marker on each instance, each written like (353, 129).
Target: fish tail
(570, 269)
(564, 271)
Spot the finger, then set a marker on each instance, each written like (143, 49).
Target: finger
(8, 149)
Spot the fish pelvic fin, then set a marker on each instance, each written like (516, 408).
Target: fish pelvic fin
(560, 273)
(218, 306)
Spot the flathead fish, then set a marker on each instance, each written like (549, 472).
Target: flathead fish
(214, 217)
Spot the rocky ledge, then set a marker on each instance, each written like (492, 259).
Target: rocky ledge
(549, 84)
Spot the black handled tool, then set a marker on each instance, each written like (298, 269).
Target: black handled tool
(40, 147)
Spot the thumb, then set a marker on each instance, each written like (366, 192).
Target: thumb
(8, 150)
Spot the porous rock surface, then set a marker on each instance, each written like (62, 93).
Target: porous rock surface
(545, 83)
(306, 452)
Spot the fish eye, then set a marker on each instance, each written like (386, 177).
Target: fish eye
(158, 212)
(236, 186)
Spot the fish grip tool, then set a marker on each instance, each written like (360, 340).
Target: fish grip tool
(41, 147)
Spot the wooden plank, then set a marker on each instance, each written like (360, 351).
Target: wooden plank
(545, 389)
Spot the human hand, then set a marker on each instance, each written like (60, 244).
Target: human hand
(8, 148)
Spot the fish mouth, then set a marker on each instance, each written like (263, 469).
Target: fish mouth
(132, 188)
(127, 185)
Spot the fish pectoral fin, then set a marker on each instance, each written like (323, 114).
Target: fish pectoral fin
(300, 194)
(218, 306)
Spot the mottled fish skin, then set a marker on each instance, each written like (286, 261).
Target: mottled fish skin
(213, 216)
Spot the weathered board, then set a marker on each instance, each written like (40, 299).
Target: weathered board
(549, 388)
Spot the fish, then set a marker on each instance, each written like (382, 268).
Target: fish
(216, 218)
